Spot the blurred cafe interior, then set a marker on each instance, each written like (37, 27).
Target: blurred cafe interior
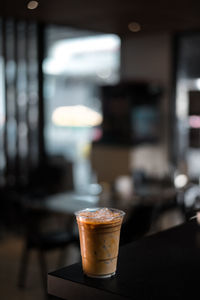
(98, 107)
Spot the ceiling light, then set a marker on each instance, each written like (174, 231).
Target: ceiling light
(134, 27)
(32, 4)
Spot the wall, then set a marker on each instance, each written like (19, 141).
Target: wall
(143, 58)
(148, 58)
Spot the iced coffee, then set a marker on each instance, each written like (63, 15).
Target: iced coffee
(99, 232)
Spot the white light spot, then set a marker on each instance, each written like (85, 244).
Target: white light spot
(180, 180)
(197, 81)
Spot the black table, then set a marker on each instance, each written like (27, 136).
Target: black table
(162, 266)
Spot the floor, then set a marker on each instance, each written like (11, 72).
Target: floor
(10, 251)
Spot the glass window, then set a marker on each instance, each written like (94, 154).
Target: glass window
(187, 104)
(76, 63)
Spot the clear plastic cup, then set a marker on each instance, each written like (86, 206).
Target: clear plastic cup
(99, 232)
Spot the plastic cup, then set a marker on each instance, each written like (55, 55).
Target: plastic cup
(99, 232)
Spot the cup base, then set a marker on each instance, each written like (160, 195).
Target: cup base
(100, 276)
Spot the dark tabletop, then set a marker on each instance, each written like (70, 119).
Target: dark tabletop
(162, 266)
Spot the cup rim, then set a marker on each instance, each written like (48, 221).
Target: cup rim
(77, 213)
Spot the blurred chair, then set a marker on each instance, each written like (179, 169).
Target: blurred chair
(53, 176)
(144, 219)
(42, 242)
(137, 223)
(10, 210)
(167, 213)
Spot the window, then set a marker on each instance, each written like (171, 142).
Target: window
(75, 65)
